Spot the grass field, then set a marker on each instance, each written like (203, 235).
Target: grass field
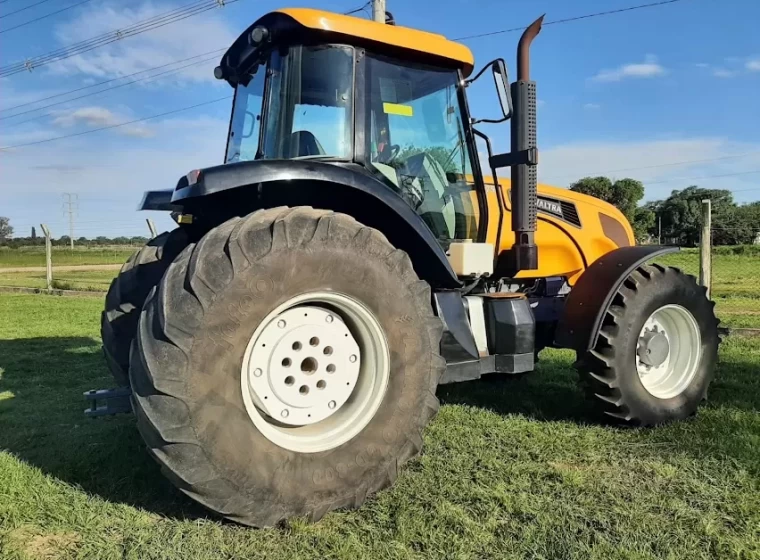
(511, 469)
(63, 256)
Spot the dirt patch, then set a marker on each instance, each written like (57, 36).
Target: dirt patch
(35, 545)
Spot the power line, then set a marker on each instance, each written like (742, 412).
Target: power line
(703, 177)
(671, 164)
(43, 17)
(22, 9)
(137, 28)
(567, 20)
(46, 140)
(70, 203)
(98, 84)
(364, 7)
(117, 86)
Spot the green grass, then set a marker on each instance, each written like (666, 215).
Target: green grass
(35, 256)
(85, 280)
(511, 469)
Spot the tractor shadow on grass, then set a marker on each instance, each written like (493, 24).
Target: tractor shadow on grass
(549, 393)
(721, 429)
(42, 423)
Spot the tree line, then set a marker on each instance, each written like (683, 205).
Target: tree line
(680, 215)
(7, 238)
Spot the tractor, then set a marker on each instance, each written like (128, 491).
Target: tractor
(281, 348)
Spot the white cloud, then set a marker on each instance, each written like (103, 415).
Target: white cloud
(107, 171)
(650, 161)
(180, 40)
(647, 69)
(753, 65)
(99, 117)
(720, 72)
(591, 106)
(702, 65)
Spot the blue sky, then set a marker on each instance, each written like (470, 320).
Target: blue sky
(622, 95)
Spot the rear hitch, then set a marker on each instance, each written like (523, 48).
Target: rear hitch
(112, 401)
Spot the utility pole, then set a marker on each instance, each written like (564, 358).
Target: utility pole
(705, 247)
(378, 11)
(659, 230)
(70, 205)
(48, 258)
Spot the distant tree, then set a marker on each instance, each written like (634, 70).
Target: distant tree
(681, 215)
(34, 235)
(624, 194)
(643, 223)
(6, 230)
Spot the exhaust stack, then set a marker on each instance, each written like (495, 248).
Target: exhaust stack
(524, 175)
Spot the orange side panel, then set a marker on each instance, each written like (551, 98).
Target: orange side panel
(397, 36)
(562, 247)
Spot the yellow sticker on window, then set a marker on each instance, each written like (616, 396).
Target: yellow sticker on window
(396, 109)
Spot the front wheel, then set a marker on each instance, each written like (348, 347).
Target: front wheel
(286, 365)
(657, 349)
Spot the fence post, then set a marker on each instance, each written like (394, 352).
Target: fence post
(151, 227)
(705, 247)
(48, 257)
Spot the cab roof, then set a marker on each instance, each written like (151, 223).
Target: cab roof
(304, 24)
(392, 35)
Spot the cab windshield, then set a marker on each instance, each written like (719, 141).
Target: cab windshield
(309, 113)
(417, 144)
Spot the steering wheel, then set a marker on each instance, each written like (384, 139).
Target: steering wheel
(395, 149)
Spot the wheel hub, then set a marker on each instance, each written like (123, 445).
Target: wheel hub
(304, 365)
(654, 348)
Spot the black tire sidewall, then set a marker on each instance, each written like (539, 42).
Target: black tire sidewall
(232, 443)
(661, 291)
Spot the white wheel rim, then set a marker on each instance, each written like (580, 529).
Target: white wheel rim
(315, 372)
(676, 363)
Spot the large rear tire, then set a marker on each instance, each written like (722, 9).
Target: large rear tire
(214, 351)
(657, 349)
(127, 293)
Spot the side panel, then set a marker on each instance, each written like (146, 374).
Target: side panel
(592, 295)
(573, 230)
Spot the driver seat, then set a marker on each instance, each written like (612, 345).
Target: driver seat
(304, 143)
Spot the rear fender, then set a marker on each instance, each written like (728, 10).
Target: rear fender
(591, 296)
(218, 193)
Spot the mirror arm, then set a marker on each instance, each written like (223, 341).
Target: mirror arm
(499, 193)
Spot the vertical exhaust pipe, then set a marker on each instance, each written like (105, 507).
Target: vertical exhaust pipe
(524, 175)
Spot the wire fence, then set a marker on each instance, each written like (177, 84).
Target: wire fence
(735, 278)
(92, 265)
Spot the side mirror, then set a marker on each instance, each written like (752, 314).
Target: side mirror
(501, 80)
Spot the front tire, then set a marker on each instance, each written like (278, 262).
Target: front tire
(200, 349)
(127, 293)
(657, 350)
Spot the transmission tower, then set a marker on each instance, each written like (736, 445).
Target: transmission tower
(70, 207)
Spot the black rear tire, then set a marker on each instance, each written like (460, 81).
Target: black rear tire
(192, 337)
(609, 372)
(127, 293)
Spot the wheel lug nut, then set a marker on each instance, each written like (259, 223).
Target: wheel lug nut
(281, 324)
(284, 413)
(352, 358)
(257, 372)
(329, 318)
(331, 405)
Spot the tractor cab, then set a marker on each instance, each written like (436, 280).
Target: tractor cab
(305, 90)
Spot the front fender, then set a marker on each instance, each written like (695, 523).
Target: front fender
(348, 188)
(592, 294)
